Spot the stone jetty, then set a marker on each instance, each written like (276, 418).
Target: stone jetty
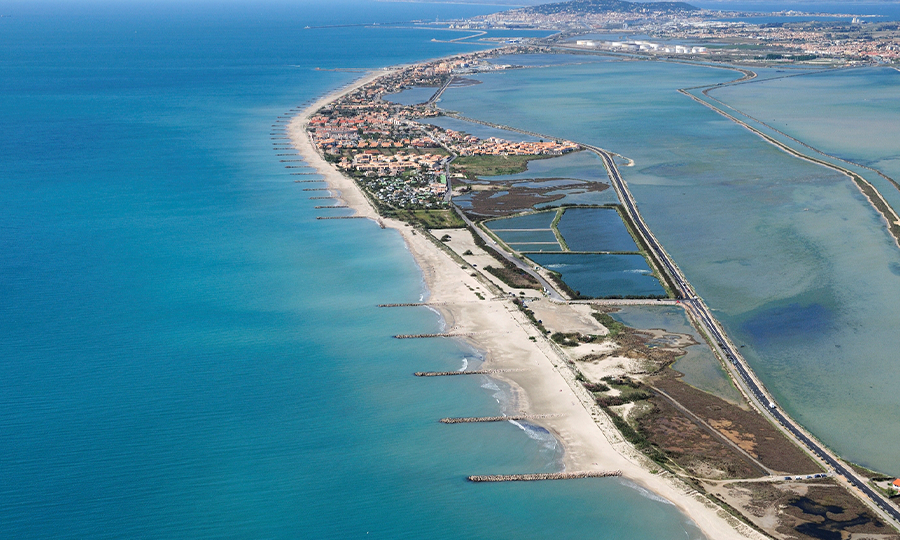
(342, 217)
(412, 304)
(473, 420)
(416, 336)
(331, 206)
(316, 189)
(315, 198)
(473, 372)
(542, 476)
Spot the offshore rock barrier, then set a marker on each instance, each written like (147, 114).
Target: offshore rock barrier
(543, 476)
(413, 304)
(416, 336)
(477, 419)
(473, 372)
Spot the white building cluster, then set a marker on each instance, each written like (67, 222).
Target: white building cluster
(636, 46)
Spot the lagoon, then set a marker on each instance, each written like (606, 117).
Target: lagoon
(790, 256)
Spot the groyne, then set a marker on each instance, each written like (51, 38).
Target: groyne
(341, 217)
(417, 336)
(413, 304)
(478, 419)
(542, 476)
(473, 372)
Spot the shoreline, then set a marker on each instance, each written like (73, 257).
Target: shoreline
(545, 384)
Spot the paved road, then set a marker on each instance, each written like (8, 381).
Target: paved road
(551, 290)
(702, 314)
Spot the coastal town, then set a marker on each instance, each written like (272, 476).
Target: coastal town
(392, 151)
(679, 28)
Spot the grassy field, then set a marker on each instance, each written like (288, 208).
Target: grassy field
(430, 219)
(475, 166)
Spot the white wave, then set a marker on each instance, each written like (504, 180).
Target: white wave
(442, 323)
(537, 433)
(645, 492)
(465, 364)
(498, 394)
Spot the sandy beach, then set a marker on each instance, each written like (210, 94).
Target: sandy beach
(543, 382)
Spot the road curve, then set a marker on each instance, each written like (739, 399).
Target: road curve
(760, 397)
(552, 293)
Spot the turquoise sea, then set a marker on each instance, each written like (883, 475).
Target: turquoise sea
(789, 255)
(187, 352)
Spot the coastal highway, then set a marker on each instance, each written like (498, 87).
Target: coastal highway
(552, 293)
(763, 401)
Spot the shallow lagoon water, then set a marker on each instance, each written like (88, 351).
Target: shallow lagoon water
(580, 165)
(412, 96)
(478, 130)
(790, 256)
(699, 365)
(863, 120)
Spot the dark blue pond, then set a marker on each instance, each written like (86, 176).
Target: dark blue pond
(595, 229)
(599, 276)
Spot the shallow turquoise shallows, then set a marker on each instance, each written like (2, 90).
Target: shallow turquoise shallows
(186, 351)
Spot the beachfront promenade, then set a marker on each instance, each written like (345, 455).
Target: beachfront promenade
(739, 368)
